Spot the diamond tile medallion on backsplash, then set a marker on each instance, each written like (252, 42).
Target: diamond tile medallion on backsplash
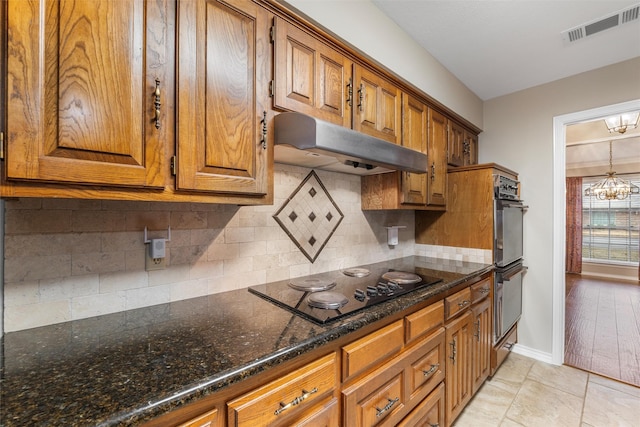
(309, 216)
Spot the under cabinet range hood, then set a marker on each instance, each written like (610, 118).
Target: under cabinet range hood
(303, 140)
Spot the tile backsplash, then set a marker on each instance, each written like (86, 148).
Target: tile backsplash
(73, 259)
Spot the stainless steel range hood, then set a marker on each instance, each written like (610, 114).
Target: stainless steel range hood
(303, 140)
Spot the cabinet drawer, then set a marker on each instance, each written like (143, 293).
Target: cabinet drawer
(377, 400)
(430, 412)
(424, 321)
(456, 303)
(480, 290)
(502, 349)
(324, 414)
(210, 419)
(292, 393)
(372, 349)
(428, 370)
(386, 395)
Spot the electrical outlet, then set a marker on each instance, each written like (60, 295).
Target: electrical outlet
(151, 264)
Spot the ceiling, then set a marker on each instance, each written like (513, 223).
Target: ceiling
(497, 47)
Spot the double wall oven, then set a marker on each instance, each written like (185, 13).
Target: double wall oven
(508, 255)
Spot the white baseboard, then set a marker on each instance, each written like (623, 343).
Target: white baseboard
(533, 353)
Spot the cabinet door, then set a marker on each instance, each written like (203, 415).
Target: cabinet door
(437, 148)
(376, 106)
(457, 374)
(470, 149)
(414, 136)
(223, 66)
(310, 77)
(81, 82)
(456, 147)
(481, 343)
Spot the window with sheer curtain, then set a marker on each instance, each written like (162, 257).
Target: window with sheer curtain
(610, 228)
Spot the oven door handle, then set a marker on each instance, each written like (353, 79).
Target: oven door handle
(513, 273)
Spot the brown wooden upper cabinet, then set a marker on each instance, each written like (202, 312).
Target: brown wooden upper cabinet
(310, 76)
(437, 154)
(377, 106)
(82, 82)
(414, 135)
(223, 65)
(463, 146)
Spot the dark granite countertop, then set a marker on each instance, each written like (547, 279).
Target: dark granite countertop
(132, 366)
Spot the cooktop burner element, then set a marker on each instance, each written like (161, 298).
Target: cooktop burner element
(310, 297)
(401, 277)
(356, 272)
(312, 285)
(327, 300)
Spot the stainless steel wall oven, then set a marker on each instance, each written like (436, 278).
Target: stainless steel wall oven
(508, 255)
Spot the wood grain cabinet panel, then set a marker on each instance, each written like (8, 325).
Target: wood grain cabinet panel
(414, 136)
(325, 414)
(481, 341)
(81, 83)
(385, 395)
(377, 106)
(458, 370)
(310, 77)
(429, 413)
(372, 349)
(437, 154)
(457, 303)
(456, 146)
(223, 61)
(291, 394)
(209, 419)
(424, 321)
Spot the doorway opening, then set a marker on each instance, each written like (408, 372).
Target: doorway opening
(559, 214)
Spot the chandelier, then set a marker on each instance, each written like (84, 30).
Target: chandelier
(622, 122)
(612, 187)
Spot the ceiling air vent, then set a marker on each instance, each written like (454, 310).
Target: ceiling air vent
(593, 27)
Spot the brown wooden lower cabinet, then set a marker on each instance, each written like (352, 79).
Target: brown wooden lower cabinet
(209, 419)
(273, 403)
(386, 395)
(429, 413)
(419, 369)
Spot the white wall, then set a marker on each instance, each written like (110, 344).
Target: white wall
(518, 133)
(384, 40)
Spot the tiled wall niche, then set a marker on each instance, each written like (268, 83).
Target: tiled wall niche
(73, 259)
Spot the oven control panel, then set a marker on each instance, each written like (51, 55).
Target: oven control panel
(505, 188)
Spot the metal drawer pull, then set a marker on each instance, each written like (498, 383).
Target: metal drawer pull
(263, 137)
(388, 406)
(483, 290)
(434, 425)
(464, 303)
(453, 351)
(156, 103)
(431, 370)
(295, 401)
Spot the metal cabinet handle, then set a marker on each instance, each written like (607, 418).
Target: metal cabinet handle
(156, 103)
(361, 97)
(388, 406)
(350, 93)
(453, 351)
(263, 138)
(477, 333)
(483, 290)
(464, 303)
(433, 171)
(431, 370)
(296, 401)
(434, 425)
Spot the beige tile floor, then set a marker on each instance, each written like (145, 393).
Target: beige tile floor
(525, 392)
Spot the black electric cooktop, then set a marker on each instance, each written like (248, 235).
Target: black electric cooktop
(326, 297)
